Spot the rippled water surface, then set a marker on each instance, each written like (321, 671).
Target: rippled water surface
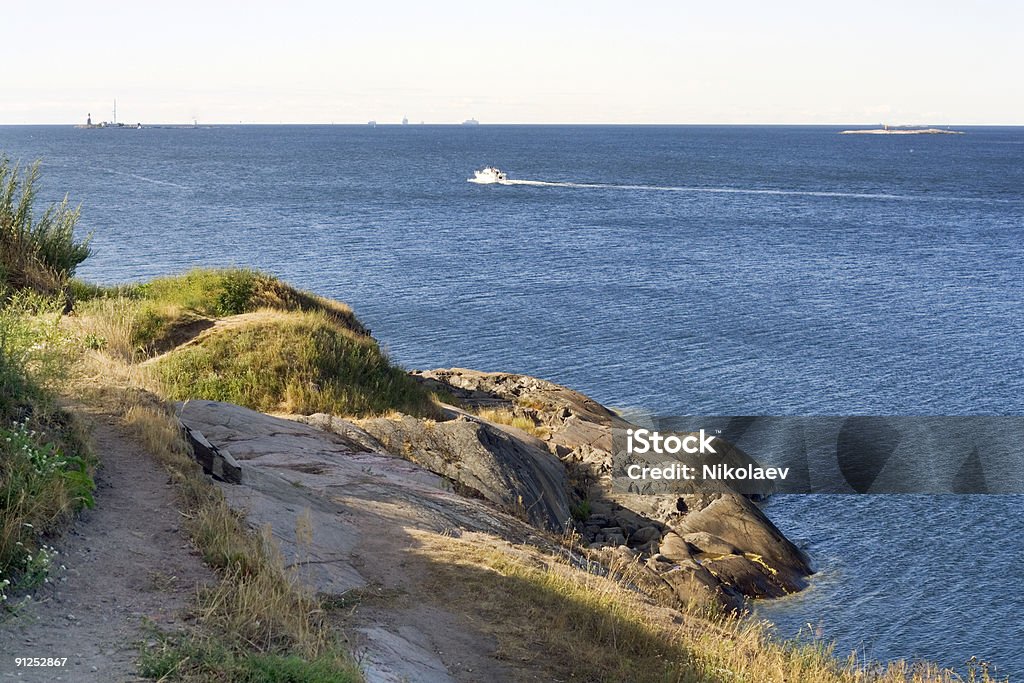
(692, 270)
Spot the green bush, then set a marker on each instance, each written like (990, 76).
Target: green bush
(236, 294)
(37, 252)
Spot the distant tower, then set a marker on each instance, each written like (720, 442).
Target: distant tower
(115, 111)
(405, 120)
(88, 119)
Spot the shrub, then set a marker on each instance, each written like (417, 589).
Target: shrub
(35, 252)
(236, 294)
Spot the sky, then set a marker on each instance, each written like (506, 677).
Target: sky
(523, 61)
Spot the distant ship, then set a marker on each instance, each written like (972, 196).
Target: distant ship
(471, 122)
(371, 124)
(405, 120)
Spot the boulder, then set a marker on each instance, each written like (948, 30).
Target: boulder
(741, 525)
(746, 576)
(703, 542)
(674, 548)
(521, 478)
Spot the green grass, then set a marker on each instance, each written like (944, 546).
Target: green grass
(189, 660)
(299, 362)
(224, 292)
(137, 321)
(301, 353)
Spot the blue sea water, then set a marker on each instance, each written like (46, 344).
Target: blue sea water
(674, 270)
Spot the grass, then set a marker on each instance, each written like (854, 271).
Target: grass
(230, 291)
(294, 352)
(37, 251)
(299, 363)
(45, 464)
(257, 623)
(507, 417)
(210, 661)
(149, 315)
(577, 626)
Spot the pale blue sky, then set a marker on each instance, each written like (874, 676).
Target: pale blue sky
(308, 61)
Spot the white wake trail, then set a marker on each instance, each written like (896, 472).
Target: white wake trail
(145, 179)
(739, 190)
(712, 190)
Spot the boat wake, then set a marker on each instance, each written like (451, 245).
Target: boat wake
(145, 179)
(490, 179)
(711, 190)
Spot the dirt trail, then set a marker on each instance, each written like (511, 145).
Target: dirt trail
(127, 560)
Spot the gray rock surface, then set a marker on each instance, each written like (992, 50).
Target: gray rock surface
(519, 477)
(344, 518)
(469, 474)
(319, 492)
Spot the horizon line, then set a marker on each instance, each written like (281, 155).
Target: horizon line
(399, 124)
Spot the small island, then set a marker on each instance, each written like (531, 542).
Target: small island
(900, 130)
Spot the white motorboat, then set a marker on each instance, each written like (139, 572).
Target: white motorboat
(489, 175)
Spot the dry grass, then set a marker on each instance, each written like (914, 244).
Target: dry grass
(257, 609)
(573, 625)
(505, 416)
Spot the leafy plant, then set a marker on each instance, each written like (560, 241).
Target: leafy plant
(581, 511)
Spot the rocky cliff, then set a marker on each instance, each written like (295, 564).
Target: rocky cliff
(548, 484)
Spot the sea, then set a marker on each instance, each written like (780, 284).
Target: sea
(671, 270)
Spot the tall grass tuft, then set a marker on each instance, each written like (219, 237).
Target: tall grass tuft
(36, 252)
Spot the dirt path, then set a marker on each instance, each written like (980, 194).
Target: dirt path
(127, 560)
